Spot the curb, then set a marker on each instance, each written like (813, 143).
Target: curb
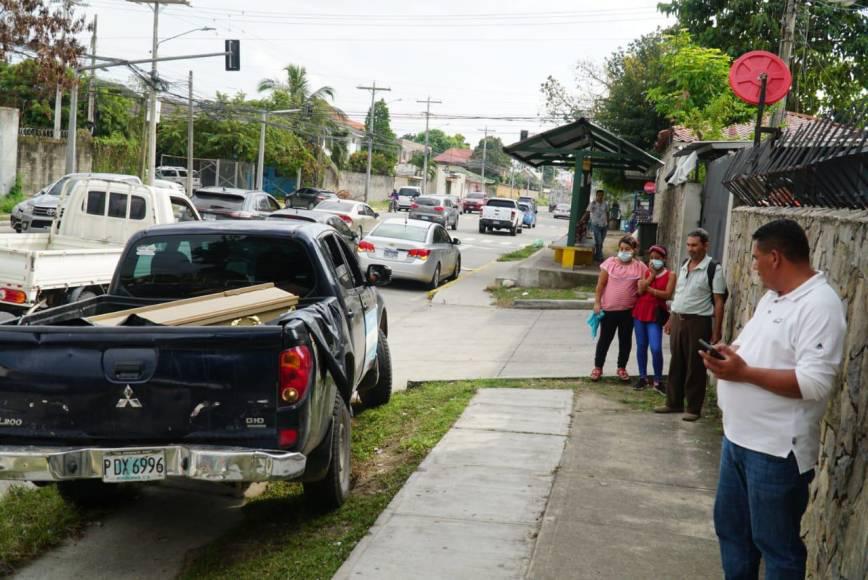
(432, 293)
(605, 379)
(544, 304)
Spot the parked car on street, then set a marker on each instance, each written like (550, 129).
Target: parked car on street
(171, 185)
(178, 175)
(38, 213)
(435, 208)
(406, 196)
(562, 211)
(474, 201)
(314, 216)
(130, 403)
(228, 203)
(529, 219)
(308, 197)
(358, 215)
(413, 250)
(76, 259)
(501, 213)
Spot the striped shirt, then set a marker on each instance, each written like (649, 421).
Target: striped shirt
(622, 290)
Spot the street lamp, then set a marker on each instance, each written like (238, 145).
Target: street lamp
(260, 162)
(203, 29)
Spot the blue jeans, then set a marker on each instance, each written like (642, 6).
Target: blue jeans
(599, 237)
(649, 334)
(758, 513)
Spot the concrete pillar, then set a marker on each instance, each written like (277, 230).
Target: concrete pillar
(8, 148)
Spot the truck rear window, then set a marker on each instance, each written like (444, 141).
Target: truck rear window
(184, 266)
(501, 203)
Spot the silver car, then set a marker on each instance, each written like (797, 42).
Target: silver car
(178, 175)
(439, 209)
(413, 249)
(39, 212)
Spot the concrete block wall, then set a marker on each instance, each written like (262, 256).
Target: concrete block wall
(42, 160)
(836, 523)
(8, 147)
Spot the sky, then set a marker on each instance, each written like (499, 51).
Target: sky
(482, 59)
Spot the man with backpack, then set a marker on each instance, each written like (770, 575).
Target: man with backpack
(696, 314)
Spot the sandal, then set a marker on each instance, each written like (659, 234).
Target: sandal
(622, 374)
(596, 374)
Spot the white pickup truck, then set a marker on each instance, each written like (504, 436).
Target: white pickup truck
(500, 213)
(77, 258)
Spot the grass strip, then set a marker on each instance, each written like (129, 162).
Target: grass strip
(521, 253)
(33, 520)
(504, 297)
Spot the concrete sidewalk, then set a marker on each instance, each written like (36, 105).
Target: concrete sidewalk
(472, 508)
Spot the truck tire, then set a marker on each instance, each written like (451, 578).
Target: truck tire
(330, 492)
(91, 493)
(481, 229)
(380, 393)
(512, 231)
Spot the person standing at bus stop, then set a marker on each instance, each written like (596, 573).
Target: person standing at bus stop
(598, 213)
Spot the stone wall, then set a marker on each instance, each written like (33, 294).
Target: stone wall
(42, 160)
(8, 146)
(381, 185)
(836, 524)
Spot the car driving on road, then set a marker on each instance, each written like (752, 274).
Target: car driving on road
(406, 196)
(228, 203)
(529, 219)
(501, 213)
(435, 208)
(562, 211)
(474, 201)
(413, 250)
(358, 215)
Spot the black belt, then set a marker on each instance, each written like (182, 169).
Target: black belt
(692, 316)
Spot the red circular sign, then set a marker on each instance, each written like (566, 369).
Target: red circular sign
(744, 77)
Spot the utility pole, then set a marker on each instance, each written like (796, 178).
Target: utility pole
(91, 93)
(425, 165)
(373, 88)
(785, 51)
(152, 122)
(190, 135)
(484, 154)
(260, 161)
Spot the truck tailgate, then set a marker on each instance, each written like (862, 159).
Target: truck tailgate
(498, 213)
(191, 384)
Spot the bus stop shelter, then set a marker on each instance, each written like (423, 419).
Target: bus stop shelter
(583, 147)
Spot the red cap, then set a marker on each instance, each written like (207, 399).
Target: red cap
(659, 249)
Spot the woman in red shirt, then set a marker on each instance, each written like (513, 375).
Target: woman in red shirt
(649, 314)
(616, 294)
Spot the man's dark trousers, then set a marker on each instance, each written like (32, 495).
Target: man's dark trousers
(687, 373)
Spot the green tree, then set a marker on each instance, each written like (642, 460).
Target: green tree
(497, 162)
(830, 70)
(693, 89)
(418, 159)
(385, 141)
(439, 141)
(380, 164)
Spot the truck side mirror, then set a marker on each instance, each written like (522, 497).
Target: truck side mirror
(378, 275)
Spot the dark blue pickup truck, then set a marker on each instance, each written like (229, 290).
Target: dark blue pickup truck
(90, 407)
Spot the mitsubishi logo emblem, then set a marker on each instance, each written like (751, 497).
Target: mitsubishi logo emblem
(128, 400)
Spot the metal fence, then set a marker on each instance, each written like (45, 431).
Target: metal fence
(218, 172)
(40, 132)
(822, 164)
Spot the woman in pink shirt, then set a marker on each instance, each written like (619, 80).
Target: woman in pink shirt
(616, 295)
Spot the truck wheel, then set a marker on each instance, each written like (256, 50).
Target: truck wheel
(380, 393)
(481, 229)
(520, 230)
(435, 279)
(91, 493)
(330, 492)
(512, 231)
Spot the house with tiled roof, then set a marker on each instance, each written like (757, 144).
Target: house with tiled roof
(454, 156)
(354, 134)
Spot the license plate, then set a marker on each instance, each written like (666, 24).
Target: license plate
(140, 466)
(390, 253)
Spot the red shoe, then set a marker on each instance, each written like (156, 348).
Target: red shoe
(596, 374)
(622, 374)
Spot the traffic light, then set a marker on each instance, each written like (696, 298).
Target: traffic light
(233, 55)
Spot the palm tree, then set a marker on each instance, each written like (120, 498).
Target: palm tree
(317, 120)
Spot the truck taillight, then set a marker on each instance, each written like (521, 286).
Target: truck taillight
(438, 208)
(365, 246)
(513, 215)
(12, 295)
(295, 369)
(420, 253)
(346, 218)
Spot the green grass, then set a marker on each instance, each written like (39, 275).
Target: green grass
(504, 297)
(32, 521)
(13, 198)
(520, 254)
(380, 206)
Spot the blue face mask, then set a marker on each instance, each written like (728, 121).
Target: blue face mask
(657, 264)
(625, 256)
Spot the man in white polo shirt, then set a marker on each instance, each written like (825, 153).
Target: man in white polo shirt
(773, 387)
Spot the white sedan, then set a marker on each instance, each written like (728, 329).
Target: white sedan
(562, 210)
(356, 214)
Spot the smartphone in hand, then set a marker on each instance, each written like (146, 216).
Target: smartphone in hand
(710, 349)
